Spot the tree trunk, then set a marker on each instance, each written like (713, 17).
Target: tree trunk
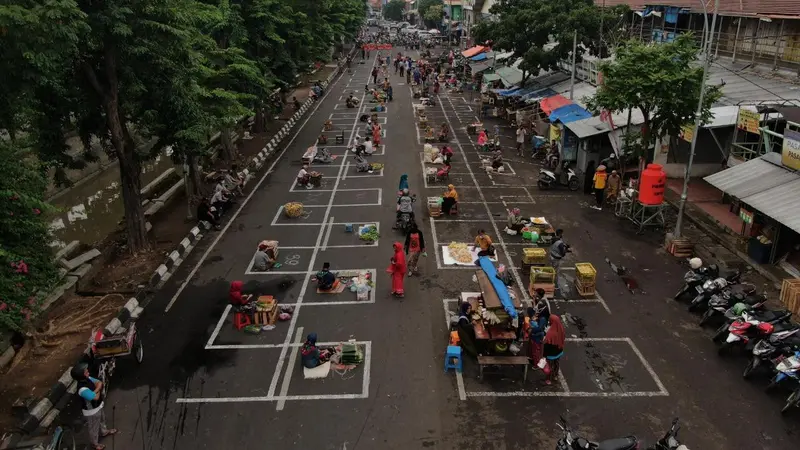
(228, 150)
(260, 121)
(193, 177)
(129, 165)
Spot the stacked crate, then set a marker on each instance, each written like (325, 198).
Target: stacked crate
(533, 256)
(542, 278)
(585, 279)
(790, 295)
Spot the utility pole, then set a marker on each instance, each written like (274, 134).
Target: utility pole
(697, 117)
(574, 60)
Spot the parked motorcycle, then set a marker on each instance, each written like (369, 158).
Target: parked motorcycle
(787, 368)
(670, 440)
(729, 299)
(696, 277)
(716, 287)
(782, 344)
(792, 401)
(548, 179)
(752, 327)
(572, 441)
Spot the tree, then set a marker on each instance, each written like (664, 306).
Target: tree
(526, 27)
(394, 10)
(423, 7)
(26, 261)
(662, 81)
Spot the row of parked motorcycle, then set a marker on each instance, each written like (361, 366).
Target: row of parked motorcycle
(769, 338)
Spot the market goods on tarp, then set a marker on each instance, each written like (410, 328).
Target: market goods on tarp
(460, 252)
(293, 209)
(368, 233)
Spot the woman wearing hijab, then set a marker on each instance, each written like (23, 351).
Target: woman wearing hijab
(515, 221)
(466, 331)
(376, 134)
(397, 269)
(310, 355)
(535, 325)
(403, 183)
(483, 140)
(449, 199)
(553, 348)
(235, 295)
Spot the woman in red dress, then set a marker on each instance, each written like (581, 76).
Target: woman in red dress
(376, 134)
(397, 269)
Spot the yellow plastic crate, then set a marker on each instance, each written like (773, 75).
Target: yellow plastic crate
(534, 255)
(542, 275)
(586, 273)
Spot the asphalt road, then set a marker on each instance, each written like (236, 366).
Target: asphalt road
(634, 361)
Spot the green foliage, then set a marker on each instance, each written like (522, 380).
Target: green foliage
(394, 10)
(661, 80)
(527, 26)
(432, 19)
(26, 261)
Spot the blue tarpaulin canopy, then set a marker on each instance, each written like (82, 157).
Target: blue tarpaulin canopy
(569, 113)
(500, 288)
(538, 94)
(479, 57)
(505, 92)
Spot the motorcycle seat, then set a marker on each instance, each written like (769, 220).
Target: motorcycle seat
(769, 316)
(754, 299)
(626, 443)
(783, 326)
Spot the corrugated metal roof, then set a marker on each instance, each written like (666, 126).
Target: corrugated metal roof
(726, 7)
(766, 186)
(595, 125)
(509, 75)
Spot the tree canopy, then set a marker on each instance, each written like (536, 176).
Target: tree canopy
(431, 11)
(172, 72)
(661, 80)
(394, 10)
(526, 27)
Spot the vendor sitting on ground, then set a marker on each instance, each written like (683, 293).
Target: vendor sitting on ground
(310, 355)
(449, 199)
(235, 296)
(515, 220)
(443, 171)
(264, 259)
(326, 280)
(484, 243)
(304, 178)
(444, 133)
(497, 160)
(483, 140)
(351, 101)
(447, 153)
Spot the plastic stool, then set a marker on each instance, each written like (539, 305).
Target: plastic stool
(453, 352)
(348, 228)
(241, 320)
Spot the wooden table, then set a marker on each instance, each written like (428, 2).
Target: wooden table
(504, 361)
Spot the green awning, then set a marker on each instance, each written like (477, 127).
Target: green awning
(510, 76)
(489, 77)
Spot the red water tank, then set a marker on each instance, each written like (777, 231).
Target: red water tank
(651, 187)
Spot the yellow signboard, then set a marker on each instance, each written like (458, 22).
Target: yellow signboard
(790, 156)
(687, 133)
(748, 121)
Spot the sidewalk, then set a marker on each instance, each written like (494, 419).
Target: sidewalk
(716, 229)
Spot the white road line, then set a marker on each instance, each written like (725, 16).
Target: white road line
(215, 333)
(568, 394)
(346, 169)
(647, 367)
(293, 323)
(327, 234)
(500, 239)
(287, 377)
(246, 200)
(435, 245)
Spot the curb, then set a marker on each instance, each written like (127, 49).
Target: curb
(43, 412)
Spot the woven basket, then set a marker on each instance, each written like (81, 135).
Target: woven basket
(293, 209)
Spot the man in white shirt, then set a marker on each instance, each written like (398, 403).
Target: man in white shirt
(304, 178)
(368, 148)
(521, 133)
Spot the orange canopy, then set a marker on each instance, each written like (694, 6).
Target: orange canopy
(550, 104)
(470, 52)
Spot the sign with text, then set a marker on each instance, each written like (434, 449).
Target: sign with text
(748, 121)
(687, 132)
(371, 47)
(790, 155)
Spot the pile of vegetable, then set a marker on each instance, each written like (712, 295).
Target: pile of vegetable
(369, 233)
(375, 166)
(460, 252)
(293, 209)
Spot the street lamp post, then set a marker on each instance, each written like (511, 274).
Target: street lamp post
(697, 118)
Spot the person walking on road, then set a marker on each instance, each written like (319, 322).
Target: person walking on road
(397, 269)
(553, 348)
(415, 245)
(521, 134)
(375, 75)
(90, 390)
(599, 180)
(558, 250)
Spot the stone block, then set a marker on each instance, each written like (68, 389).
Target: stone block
(84, 258)
(81, 271)
(67, 251)
(7, 356)
(67, 285)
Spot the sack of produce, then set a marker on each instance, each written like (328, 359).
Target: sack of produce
(293, 209)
